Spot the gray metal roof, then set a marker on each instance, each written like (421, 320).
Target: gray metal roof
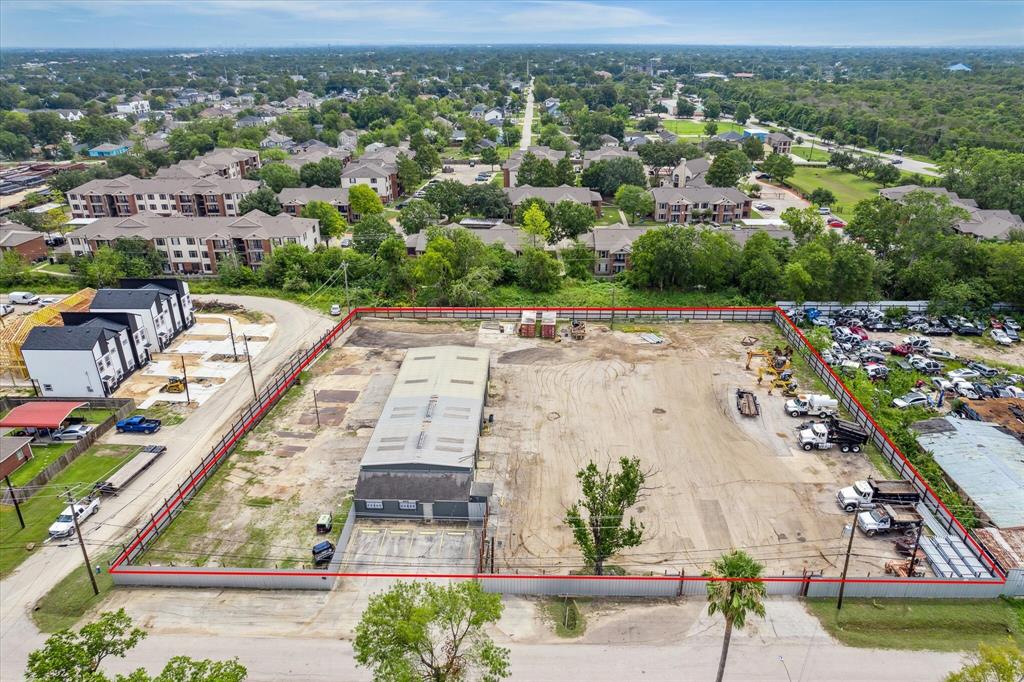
(432, 417)
(986, 462)
(422, 486)
(80, 337)
(130, 299)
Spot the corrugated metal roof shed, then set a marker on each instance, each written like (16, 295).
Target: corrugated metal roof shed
(431, 419)
(986, 462)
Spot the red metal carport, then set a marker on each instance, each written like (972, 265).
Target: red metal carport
(41, 415)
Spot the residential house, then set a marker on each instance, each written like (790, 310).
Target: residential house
(294, 199)
(128, 195)
(232, 163)
(249, 122)
(510, 168)
(348, 139)
(192, 245)
(139, 348)
(981, 223)
(478, 111)
(106, 150)
(494, 117)
(155, 142)
(275, 140)
(24, 241)
(182, 308)
(721, 205)
(551, 106)
(634, 140)
(79, 361)
(554, 195)
(152, 306)
(730, 136)
(606, 154)
(780, 143)
(608, 140)
(667, 136)
(134, 106)
(69, 115)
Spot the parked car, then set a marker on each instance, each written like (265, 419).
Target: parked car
(984, 391)
(1009, 392)
(925, 365)
(937, 330)
(49, 300)
(912, 399)
(995, 323)
(876, 371)
(944, 385)
(1012, 334)
(879, 326)
(1015, 378)
(902, 350)
(1000, 337)
(335, 309)
(917, 342)
(23, 297)
(939, 353)
(882, 345)
(968, 329)
(965, 389)
(762, 206)
(64, 526)
(75, 432)
(859, 332)
(346, 242)
(1010, 323)
(138, 424)
(963, 373)
(822, 321)
(983, 370)
(836, 223)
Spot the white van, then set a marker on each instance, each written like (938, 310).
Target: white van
(23, 297)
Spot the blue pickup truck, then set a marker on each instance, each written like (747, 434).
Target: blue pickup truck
(138, 424)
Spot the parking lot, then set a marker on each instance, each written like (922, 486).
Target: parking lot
(394, 547)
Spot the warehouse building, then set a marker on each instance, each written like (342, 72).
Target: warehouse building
(421, 458)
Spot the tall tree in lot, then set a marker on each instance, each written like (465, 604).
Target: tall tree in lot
(490, 156)
(607, 176)
(263, 199)
(537, 270)
(760, 267)
(324, 173)
(536, 172)
(448, 196)
(598, 520)
(487, 200)
(780, 167)
(572, 220)
(565, 172)
(277, 176)
(727, 169)
(685, 108)
(636, 201)
(853, 273)
(77, 656)
(804, 223)
(409, 173)
(370, 232)
(822, 197)
(363, 201)
(536, 225)
(712, 108)
(742, 113)
(992, 663)
(753, 148)
(421, 631)
(887, 174)
(332, 224)
(417, 216)
(737, 593)
(579, 261)
(711, 128)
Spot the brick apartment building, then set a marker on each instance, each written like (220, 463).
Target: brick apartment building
(294, 199)
(554, 195)
(722, 205)
(228, 163)
(194, 245)
(127, 195)
(379, 170)
(25, 241)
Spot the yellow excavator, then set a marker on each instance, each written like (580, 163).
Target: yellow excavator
(784, 382)
(174, 385)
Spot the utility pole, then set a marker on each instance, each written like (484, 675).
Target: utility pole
(248, 359)
(846, 564)
(14, 498)
(316, 408)
(81, 543)
(913, 555)
(231, 330)
(184, 375)
(344, 268)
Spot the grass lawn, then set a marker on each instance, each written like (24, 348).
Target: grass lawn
(812, 154)
(848, 188)
(40, 511)
(609, 216)
(169, 414)
(601, 293)
(565, 616)
(921, 624)
(57, 268)
(42, 456)
(690, 127)
(66, 603)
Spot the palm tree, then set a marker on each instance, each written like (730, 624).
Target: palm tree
(740, 592)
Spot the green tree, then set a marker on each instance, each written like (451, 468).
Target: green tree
(422, 631)
(607, 176)
(536, 224)
(12, 266)
(332, 223)
(727, 169)
(536, 172)
(417, 216)
(579, 261)
(77, 656)
(369, 232)
(606, 498)
(572, 220)
(410, 175)
(635, 201)
(363, 201)
(822, 197)
(853, 273)
(711, 128)
(537, 270)
(324, 173)
(887, 174)
(1002, 663)
(753, 148)
(565, 172)
(277, 176)
(760, 268)
(797, 282)
(489, 155)
(273, 155)
(779, 167)
(486, 200)
(742, 113)
(685, 108)
(448, 196)
(804, 223)
(712, 108)
(735, 592)
(263, 199)
(510, 136)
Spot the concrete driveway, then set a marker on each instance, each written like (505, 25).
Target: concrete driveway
(186, 443)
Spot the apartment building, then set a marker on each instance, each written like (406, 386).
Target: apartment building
(231, 163)
(780, 144)
(26, 242)
(294, 199)
(194, 245)
(722, 205)
(607, 153)
(377, 169)
(85, 360)
(510, 168)
(135, 106)
(127, 195)
(554, 195)
(314, 153)
(981, 223)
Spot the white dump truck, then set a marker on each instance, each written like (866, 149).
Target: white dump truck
(871, 493)
(813, 405)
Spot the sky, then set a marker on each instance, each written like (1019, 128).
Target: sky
(276, 23)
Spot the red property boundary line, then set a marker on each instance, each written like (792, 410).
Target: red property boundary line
(453, 313)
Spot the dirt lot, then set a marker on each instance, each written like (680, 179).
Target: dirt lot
(717, 481)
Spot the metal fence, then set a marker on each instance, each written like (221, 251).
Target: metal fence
(646, 586)
(830, 307)
(123, 407)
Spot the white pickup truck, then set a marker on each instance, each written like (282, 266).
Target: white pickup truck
(64, 526)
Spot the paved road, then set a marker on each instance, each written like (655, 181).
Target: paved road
(186, 443)
(524, 142)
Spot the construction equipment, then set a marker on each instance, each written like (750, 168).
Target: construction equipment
(901, 568)
(746, 403)
(783, 381)
(578, 330)
(815, 405)
(173, 385)
(778, 358)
